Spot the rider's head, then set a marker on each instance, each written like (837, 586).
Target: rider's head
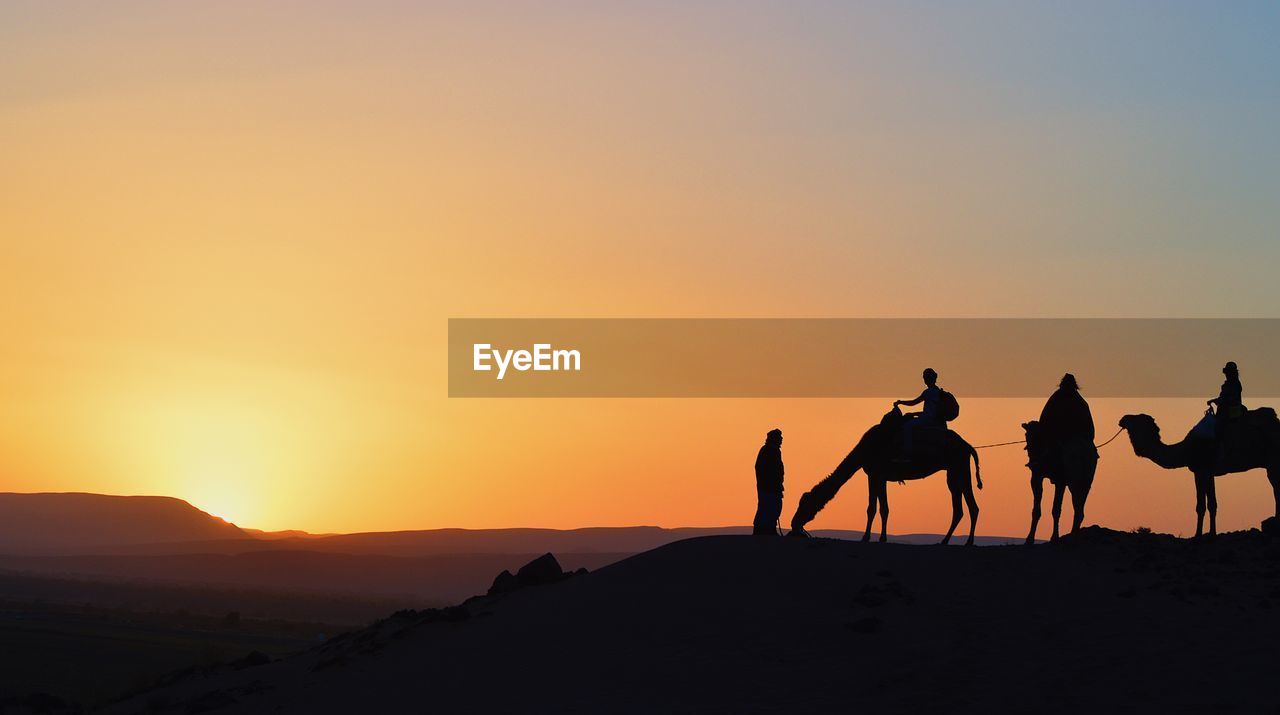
(930, 376)
(774, 437)
(1069, 382)
(1230, 370)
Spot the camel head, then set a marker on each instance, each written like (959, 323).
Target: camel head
(1143, 432)
(1031, 434)
(1035, 444)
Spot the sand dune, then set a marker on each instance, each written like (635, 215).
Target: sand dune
(1104, 622)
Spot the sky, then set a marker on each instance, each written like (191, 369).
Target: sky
(231, 235)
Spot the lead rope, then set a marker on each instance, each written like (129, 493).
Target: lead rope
(1023, 441)
(1113, 438)
(1000, 444)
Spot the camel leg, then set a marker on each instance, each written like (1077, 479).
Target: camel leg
(871, 508)
(1037, 491)
(1273, 476)
(1081, 484)
(1058, 489)
(884, 510)
(1200, 499)
(955, 514)
(1079, 493)
(1211, 500)
(972, 503)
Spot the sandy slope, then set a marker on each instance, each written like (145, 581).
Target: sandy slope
(736, 624)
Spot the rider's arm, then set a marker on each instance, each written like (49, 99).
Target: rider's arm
(910, 403)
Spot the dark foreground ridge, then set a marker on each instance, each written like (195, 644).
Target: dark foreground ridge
(1102, 621)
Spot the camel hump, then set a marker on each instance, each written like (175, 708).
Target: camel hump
(1264, 414)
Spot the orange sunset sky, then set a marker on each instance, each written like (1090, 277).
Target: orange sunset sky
(231, 235)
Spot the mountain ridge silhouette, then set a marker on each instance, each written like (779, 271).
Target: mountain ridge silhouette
(53, 522)
(27, 519)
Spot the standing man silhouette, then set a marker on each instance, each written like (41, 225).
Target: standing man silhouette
(769, 485)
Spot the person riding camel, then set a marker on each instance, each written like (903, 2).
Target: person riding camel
(1229, 397)
(1060, 448)
(1066, 416)
(927, 416)
(1229, 402)
(1066, 424)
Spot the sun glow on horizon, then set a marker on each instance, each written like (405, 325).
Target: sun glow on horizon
(214, 489)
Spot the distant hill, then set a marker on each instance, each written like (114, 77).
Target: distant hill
(86, 523)
(441, 542)
(1102, 622)
(167, 541)
(98, 524)
(285, 534)
(616, 540)
(422, 581)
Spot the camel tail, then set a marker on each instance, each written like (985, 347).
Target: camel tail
(977, 464)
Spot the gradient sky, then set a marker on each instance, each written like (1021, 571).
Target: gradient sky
(231, 235)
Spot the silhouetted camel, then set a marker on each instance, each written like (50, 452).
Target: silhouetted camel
(1067, 466)
(934, 450)
(1253, 443)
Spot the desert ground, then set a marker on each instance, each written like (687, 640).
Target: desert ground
(1102, 621)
